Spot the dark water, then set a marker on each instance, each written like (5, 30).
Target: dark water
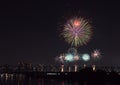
(22, 80)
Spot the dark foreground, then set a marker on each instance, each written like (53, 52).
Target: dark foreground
(21, 79)
(84, 75)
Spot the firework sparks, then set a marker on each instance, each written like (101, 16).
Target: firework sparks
(96, 54)
(77, 31)
(61, 58)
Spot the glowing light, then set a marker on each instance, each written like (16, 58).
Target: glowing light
(93, 67)
(76, 23)
(76, 68)
(69, 57)
(62, 68)
(86, 57)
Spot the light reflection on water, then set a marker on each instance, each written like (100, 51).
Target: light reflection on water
(12, 79)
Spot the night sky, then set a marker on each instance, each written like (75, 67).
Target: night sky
(30, 31)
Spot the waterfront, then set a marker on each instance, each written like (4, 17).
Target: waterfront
(81, 76)
(21, 79)
(43, 81)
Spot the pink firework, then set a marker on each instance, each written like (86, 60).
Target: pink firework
(76, 58)
(96, 54)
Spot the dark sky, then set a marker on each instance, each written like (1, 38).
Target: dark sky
(29, 31)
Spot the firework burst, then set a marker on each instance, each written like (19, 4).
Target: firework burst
(77, 31)
(61, 58)
(76, 58)
(96, 54)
